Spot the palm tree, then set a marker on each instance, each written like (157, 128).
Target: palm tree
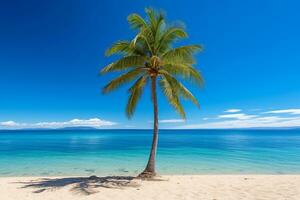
(150, 57)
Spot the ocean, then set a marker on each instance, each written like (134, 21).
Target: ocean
(125, 152)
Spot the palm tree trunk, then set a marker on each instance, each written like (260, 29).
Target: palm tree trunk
(149, 171)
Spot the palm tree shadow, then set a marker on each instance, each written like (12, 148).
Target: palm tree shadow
(81, 185)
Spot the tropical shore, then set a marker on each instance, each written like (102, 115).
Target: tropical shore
(204, 187)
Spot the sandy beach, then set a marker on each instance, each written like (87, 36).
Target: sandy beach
(204, 187)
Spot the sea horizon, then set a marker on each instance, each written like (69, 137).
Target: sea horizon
(147, 129)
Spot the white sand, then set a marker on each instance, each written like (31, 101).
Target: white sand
(200, 187)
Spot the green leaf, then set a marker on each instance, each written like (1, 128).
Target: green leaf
(172, 96)
(169, 36)
(122, 79)
(144, 36)
(183, 54)
(125, 63)
(125, 48)
(135, 94)
(186, 72)
(119, 47)
(179, 88)
(136, 21)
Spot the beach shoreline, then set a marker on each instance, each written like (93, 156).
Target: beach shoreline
(217, 187)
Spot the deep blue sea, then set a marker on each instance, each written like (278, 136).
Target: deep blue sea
(125, 152)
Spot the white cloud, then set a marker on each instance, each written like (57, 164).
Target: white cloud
(294, 111)
(242, 120)
(239, 116)
(9, 123)
(171, 121)
(233, 110)
(255, 122)
(94, 122)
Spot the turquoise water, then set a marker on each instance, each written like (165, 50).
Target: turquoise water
(125, 152)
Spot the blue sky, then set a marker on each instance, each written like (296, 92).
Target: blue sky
(51, 52)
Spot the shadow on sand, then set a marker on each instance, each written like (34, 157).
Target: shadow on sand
(81, 185)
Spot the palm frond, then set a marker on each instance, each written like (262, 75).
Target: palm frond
(179, 88)
(122, 79)
(186, 72)
(146, 36)
(169, 36)
(152, 16)
(135, 94)
(136, 21)
(183, 54)
(125, 63)
(155, 22)
(119, 47)
(125, 48)
(172, 96)
(157, 31)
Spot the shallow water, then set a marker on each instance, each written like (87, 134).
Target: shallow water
(106, 152)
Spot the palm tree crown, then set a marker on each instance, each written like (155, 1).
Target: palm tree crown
(151, 55)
